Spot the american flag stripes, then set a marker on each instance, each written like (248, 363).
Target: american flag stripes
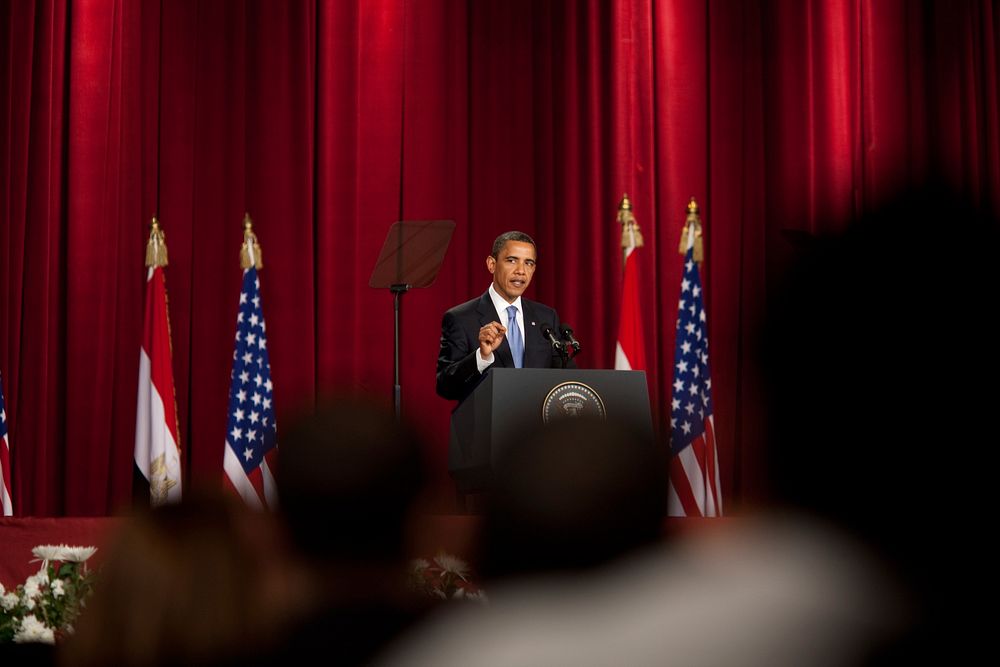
(157, 446)
(694, 459)
(251, 433)
(5, 475)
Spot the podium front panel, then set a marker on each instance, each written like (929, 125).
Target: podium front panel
(512, 402)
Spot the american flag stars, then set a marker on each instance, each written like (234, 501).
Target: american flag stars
(694, 464)
(251, 434)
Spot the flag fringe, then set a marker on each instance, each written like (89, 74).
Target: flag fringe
(156, 247)
(631, 236)
(693, 221)
(250, 251)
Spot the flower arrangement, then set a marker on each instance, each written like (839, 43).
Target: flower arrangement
(444, 577)
(44, 607)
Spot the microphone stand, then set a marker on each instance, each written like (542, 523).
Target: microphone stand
(556, 345)
(563, 356)
(569, 342)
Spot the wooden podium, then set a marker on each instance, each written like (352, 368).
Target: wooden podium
(510, 402)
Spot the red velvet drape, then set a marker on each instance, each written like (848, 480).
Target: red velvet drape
(329, 120)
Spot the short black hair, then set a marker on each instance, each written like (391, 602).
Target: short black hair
(501, 241)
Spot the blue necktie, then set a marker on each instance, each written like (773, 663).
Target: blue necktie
(514, 337)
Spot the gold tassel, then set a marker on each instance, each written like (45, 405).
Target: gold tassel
(631, 236)
(156, 247)
(693, 222)
(250, 246)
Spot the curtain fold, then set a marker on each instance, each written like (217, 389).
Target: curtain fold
(33, 299)
(327, 121)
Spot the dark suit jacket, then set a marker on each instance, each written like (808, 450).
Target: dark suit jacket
(457, 374)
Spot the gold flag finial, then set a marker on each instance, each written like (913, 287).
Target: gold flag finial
(631, 236)
(692, 225)
(250, 251)
(156, 246)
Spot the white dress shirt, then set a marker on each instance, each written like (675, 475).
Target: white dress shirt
(501, 306)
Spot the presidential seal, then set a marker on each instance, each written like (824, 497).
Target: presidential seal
(572, 400)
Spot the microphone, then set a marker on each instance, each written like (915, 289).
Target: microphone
(557, 344)
(567, 334)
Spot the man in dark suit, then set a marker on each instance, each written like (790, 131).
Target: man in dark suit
(479, 334)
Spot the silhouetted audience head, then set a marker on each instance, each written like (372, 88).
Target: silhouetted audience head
(573, 495)
(882, 352)
(349, 474)
(187, 584)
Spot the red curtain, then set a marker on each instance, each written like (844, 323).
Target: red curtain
(327, 121)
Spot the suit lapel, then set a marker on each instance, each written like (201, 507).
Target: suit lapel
(488, 313)
(537, 352)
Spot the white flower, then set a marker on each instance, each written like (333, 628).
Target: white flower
(39, 578)
(29, 603)
(8, 601)
(57, 588)
(33, 584)
(418, 564)
(77, 554)
(62, 553)
(47, 552)
(2, 589)
(452, 565)
(33, 630)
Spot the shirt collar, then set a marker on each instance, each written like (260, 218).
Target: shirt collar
(501, 304)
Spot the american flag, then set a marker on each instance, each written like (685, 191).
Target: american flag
(694, 459)
(5, 488)
(251, 434)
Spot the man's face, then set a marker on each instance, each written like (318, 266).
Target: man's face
(512, 269)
